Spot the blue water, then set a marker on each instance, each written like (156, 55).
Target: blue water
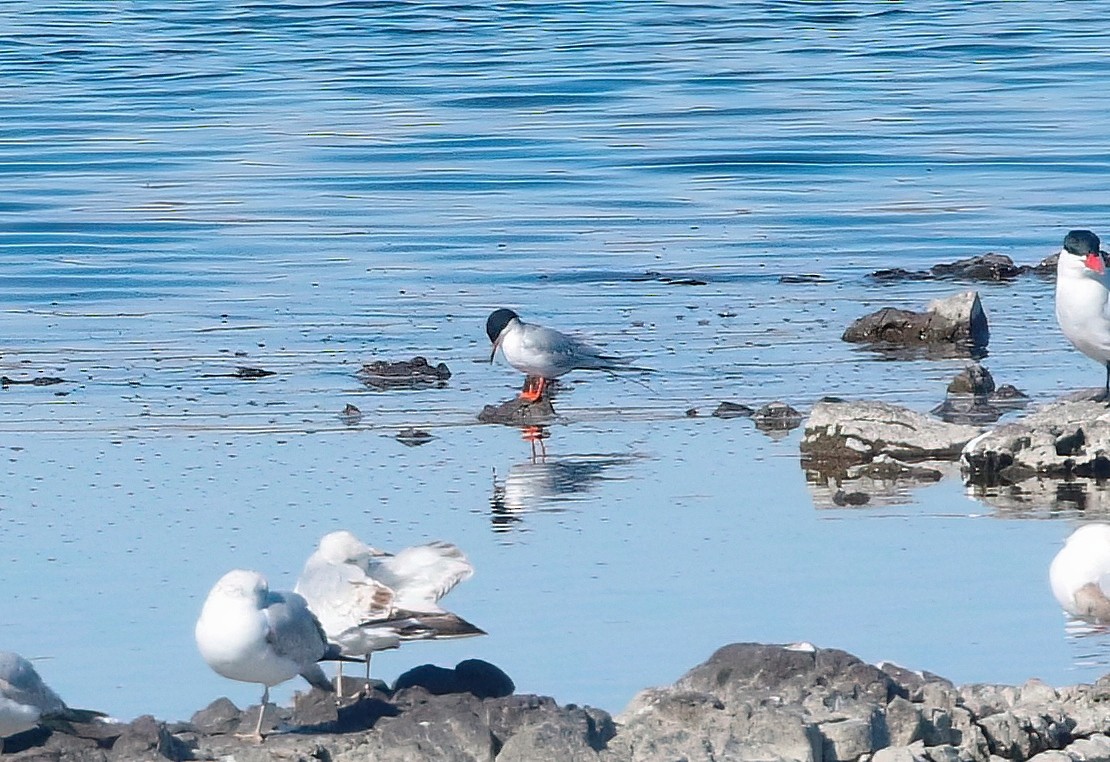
(188, 188)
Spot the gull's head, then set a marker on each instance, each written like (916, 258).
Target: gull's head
(241, 584)
(342, 547)
(1085, 246)
(496, 324)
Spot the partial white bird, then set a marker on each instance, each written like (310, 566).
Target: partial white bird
(26, 701)
(369, 600)
(1080, 573)
(248, 632)
(1083, 298)
(542, 353)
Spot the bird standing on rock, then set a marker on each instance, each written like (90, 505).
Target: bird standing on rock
(1083, 298)
(542, 353)
(369, 600)
(248, 632)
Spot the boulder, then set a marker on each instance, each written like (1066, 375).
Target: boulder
(843, 434)
(954, 326)
(1061, 440)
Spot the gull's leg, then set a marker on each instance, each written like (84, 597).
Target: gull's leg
(1106, 389)
(262, 713)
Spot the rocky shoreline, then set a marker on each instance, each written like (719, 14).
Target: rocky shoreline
(746, 702)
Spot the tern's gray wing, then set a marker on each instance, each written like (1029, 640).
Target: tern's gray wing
(295, 634)
(569, 352)
(21, 683)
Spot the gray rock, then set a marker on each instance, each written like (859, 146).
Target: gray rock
(908, 753)
(954, 326)
(561, 740)
(1067, 438)
(1093, 749)
(221, 716)
(904, 722)
(843, 434)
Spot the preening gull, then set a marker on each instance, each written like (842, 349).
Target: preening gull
(369, 600)
(1080, 573)
(26, 701)
(248, 632)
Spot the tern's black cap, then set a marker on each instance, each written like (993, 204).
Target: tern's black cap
(1081, 242)
(497, 321)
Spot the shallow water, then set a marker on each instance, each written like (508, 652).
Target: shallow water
(307, 187)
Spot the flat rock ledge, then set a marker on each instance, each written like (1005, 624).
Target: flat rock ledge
(1056, 457)
(1065, 438)
(840, 435)
(748, 702)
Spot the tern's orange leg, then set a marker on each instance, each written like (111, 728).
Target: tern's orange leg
(533, 388)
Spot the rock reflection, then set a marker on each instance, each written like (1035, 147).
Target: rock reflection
(547, 484)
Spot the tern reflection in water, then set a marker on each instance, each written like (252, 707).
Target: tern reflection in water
(548, 484)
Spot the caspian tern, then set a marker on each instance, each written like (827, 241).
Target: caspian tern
(246, 632)
(542, 353)
(1080, 573)
(1082, 297)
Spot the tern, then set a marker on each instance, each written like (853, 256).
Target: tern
(370, 600)
(1080, 573)
(543, 354)
(248, 632)
(1082, 296)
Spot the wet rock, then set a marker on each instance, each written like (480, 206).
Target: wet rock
(843, 434)
(519, 412)
(805, 278)
(670, 280)
(413, 437)
(956, 325)
(733, 410)
(776, 416)
(350, 415)
(404, 374)
(973, 399)
(1063, 439)
(984, 267)
(5, 382)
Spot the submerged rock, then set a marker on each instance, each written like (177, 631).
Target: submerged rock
(733, 410)
(776, 416)
(985, 267)
(956, 325)
(519, 411)
(973, 399)
(404, 374)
